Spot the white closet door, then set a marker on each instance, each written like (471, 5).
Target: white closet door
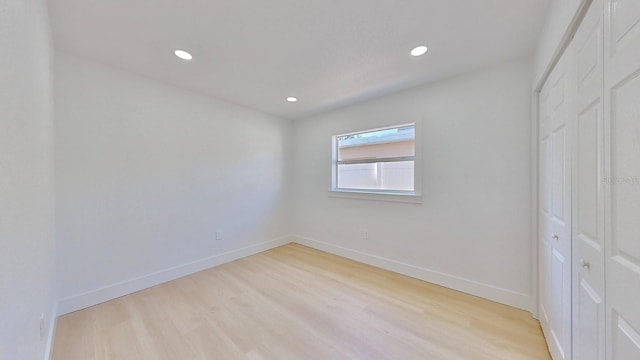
(622, 178)
(555, 210)
(588, 196)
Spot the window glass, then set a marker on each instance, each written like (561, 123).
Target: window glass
(376, 160)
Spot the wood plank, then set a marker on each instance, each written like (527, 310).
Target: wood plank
(294, 302)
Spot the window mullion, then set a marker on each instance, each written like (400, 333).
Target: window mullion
(380, 160)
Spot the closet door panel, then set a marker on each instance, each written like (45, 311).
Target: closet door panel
(622, 178)
(555, 207)
(588, 319)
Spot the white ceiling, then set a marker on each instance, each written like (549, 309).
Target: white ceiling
(328, 53)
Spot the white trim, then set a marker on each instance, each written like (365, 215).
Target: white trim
(568, 35)
(106, 293)
(535, 107)
(97, 296)
(377, 196)
(51, 332)
(495, 293)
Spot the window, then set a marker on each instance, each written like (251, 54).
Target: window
(376, 161)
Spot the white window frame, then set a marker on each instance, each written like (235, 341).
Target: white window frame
(414, 196)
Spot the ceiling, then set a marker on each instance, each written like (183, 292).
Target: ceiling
(327, 53)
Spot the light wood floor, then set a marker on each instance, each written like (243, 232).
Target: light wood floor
(294, 302)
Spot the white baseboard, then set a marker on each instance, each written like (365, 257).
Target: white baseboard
(97, 296)
(497, 294)
(51, 332)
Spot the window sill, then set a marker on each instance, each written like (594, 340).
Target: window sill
(376, 196)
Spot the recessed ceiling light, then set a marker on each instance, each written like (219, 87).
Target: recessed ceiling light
(419, 50)
(183, 55)
(292, 99)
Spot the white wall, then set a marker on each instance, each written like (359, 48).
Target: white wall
(472, 231)
(557, 22)
(27, 248)
(146, 173)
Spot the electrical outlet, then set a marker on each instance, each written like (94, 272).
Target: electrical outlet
(365, 235)
(42, 327)
(218, 235)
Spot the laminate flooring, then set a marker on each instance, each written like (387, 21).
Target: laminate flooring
(294, 302)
